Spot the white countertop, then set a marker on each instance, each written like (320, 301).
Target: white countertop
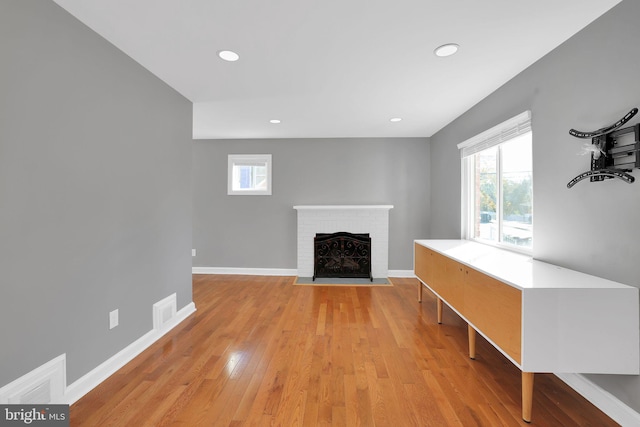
(517, 270)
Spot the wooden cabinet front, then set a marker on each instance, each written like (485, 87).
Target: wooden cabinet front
(423, 263)
(495, 309)
(544, 318)
(488, 304)
(443, 275)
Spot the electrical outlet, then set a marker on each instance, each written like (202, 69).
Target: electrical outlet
(113, 319)
(193, 252)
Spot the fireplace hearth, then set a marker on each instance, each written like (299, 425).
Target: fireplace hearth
(342, 254)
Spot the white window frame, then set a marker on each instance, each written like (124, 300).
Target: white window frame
(248, 160)
(501, 133)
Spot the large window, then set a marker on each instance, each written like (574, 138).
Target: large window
(249, 174)
(498, 185)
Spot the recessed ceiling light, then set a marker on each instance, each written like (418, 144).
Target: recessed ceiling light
(274, 121)
(446, 49)
(228, 55)
(395, 119)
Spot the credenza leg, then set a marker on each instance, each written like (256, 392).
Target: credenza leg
(439, 309)
(472, 342)
(527, 395)
(419, 291)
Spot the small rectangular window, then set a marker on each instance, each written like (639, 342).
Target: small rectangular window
(249, 174)
(498, 185)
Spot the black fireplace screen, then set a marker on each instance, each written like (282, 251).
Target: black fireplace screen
(342, 255)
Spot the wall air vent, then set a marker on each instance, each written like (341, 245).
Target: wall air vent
(45, 384)
(164, 311)
(41, 394)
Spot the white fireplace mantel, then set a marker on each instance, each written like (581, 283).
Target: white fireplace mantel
(372, 219)
(342, 207)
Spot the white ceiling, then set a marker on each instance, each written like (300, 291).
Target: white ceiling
(333, 68)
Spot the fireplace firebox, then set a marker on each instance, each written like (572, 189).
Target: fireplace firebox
(342, 254)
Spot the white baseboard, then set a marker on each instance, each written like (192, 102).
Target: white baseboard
(616, 409)
(89, 381)
(246, 271)
(401, 273)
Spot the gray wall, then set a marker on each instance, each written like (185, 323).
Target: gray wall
(95, 193)
(260, 231)
(588, 82)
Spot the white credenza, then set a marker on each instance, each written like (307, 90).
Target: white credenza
(542, 317)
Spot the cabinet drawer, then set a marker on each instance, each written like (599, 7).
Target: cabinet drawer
(495, 308)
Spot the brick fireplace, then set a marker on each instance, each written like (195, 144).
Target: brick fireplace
(372, 219)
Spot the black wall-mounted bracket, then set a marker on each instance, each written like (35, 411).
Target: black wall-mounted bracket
(612, 155)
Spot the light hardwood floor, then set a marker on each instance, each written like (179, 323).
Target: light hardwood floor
(261, 351)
